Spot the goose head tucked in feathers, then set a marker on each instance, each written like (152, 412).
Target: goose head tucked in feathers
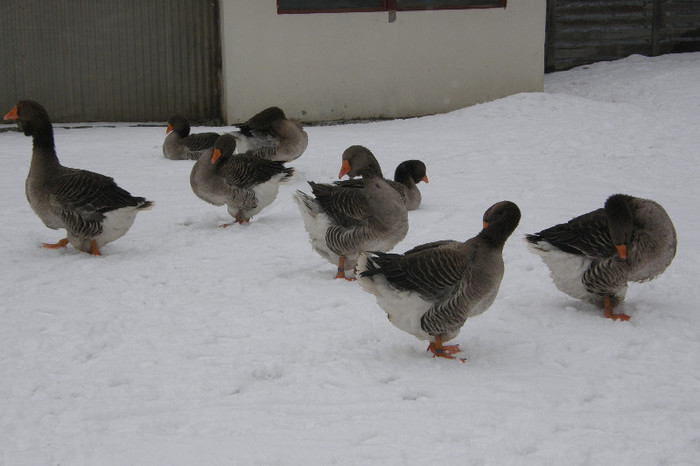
(266, 119)
(500, 220)
(620, 222)
(410, 170)
(179, 124)
(223, 147)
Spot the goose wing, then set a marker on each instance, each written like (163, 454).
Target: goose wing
(359, 183)
(432, 270)
(199, 141)
(346, 206)
(246, 170)
(586, 235)
(81, 198)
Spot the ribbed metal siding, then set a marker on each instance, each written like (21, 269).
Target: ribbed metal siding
(680, 26)
(586, 31)
(106, 60)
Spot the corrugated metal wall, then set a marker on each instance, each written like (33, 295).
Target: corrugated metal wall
(680, 26)
(106, 60)
(586, 31)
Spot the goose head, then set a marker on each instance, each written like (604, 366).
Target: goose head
(500, 220)
(411, 169)
(267, 117)
(223, 147)
(31, 117)
(179, 124)
(620, 222)
(359, 161)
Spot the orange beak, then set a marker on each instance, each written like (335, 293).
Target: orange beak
(12, 114)
(215, 156)
(622, 251)
(169, 128)
(486, 224)
(425, 178)
(344, 169)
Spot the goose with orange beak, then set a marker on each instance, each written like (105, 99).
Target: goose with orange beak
(431, 290)
(179, 144)
(343, 222)
(90, 206)
(245, 183)
(592, 257)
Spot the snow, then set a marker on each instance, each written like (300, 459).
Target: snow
(190, 344)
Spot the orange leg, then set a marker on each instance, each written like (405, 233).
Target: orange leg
(341, 270)
(61, 244)
(94, 250)
(608, 311)
(443, 351)
(237, 220)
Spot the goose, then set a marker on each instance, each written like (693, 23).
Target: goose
(91, 207)
(179, 144)
(406, 178)
(244, 182)
(271, 135)
(341, 223)
(593, 256)
(431, 290)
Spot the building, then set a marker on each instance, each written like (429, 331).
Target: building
(224, 60)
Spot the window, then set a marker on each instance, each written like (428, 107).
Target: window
(337, 6)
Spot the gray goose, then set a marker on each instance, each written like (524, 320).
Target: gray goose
(431, 290)
(179, 144)
(406, 178)
(344, 222)
(91, 207)
(271, 135)
(593, 256)
(244, 182)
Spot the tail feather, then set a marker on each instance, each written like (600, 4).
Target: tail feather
(144, 204)
(288, 174)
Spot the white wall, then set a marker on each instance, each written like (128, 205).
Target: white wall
(358, 65)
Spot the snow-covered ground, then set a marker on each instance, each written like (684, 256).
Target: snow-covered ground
(190, 344)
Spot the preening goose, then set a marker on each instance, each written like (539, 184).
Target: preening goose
(406, 178)
(344, 222)
(91, 207)
(431, 290)
(179, 144)
(593, 256)
(244, 182)
(271, 135)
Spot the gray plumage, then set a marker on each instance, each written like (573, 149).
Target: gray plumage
(583, 256)
(179, 144)
(244, 182)
(91, 207)
(271, 135)
(431, 290)
(406, 178)
(344, 222)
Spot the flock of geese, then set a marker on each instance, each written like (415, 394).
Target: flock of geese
(429, 291)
